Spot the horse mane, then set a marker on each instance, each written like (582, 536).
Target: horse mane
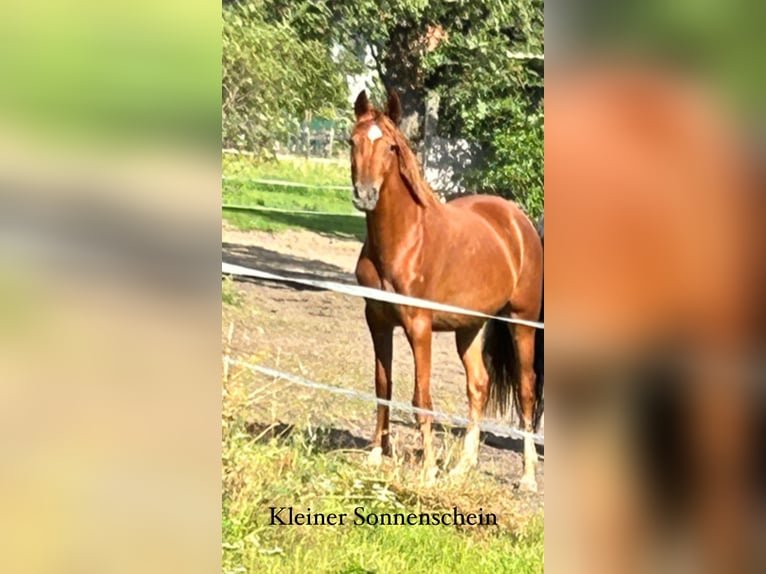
(409, 168)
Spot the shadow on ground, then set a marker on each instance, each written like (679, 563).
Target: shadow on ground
(329, 438)
(487, 438)
(263, 259)
(325, 439)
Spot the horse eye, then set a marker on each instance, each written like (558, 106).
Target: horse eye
(350, 142)
(392, 147)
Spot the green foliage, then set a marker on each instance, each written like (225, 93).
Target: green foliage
(492, 96)
(514, 166)
(464, 50)
(272, 77)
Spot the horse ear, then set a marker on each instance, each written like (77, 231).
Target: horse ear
(393, 107)
(361, 105)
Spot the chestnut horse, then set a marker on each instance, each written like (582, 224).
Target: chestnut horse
(479, 252)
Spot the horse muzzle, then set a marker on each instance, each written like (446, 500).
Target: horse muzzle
(366, 196)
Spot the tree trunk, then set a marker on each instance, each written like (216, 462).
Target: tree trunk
(431, 122)
(401, 72)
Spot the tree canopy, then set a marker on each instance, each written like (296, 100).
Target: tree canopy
(272, 76)
(282, 58)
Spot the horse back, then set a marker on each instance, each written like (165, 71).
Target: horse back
(506, 219)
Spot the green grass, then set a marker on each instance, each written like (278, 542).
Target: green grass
(303, 470)
(301, 170)
(311, 199)
(258, 475)
(323, 224)
(242, 192)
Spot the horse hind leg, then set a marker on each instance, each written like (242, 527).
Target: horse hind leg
(469, 349)
(526, 400)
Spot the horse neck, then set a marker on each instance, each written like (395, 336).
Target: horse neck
(396, 224)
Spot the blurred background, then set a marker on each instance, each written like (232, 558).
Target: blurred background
(655, 287)
(109, 287)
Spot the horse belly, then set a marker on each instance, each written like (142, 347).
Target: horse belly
(485, 288)
(440, 322)
(445, 322)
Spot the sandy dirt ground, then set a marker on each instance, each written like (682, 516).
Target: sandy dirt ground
(323, 336)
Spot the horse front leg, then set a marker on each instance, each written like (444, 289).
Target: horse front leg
(382, 340)
(418, 328)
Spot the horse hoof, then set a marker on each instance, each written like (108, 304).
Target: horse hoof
(528, 484)
(376, 457)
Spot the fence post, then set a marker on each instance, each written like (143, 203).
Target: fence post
(330, 141)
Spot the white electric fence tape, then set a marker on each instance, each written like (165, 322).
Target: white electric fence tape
(486, 426)
(369, 293)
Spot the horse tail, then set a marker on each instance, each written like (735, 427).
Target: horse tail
(539, 378)
(502, 364)
(540, 348)
(501, 361)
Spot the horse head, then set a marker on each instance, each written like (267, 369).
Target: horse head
(379, 151)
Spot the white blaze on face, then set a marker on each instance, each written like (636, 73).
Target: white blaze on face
(374, 133)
